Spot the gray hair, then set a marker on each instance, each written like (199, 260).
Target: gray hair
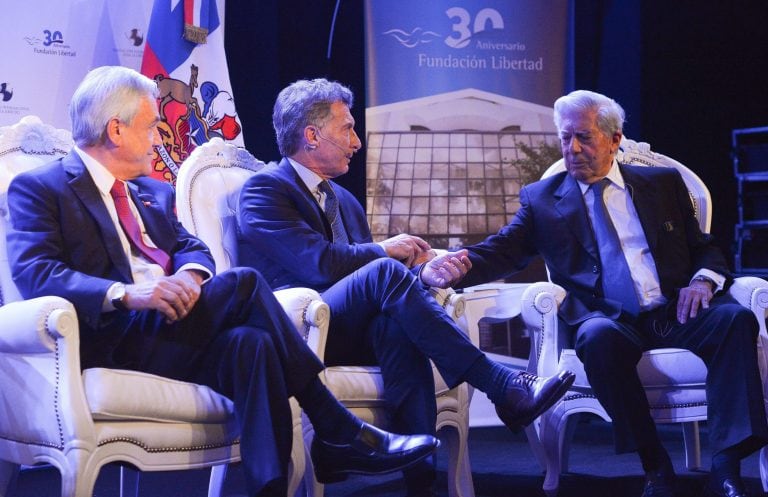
(304, 103)
(106, 93)
(610, 115)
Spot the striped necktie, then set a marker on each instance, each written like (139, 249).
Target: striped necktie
(332, 213)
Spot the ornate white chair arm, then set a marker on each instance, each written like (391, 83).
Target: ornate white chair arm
(752, 292)
(32, 326)
(309, 314)
(40, 358)
(539, 306)
(452, 302)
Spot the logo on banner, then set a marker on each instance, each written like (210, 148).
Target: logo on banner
(5, 93)
(52, 43)
(132, 48)
(136, 37)
(482, 35)
(189, 120)
(463, 29)
(415, 38)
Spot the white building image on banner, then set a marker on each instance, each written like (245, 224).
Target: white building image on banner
(449, 167)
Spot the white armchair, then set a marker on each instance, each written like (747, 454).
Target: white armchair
(52, 413)
(207, 193)
(674, 379)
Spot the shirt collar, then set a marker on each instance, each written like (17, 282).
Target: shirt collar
(309, 177)
(100, 174)
(614, 175)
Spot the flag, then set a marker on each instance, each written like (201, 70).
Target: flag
(184, 54)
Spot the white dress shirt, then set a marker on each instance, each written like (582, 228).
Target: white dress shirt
(621, 209)
(311, 181)
(142, 269)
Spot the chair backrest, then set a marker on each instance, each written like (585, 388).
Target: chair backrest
(640, 154)
(207, 196)
(23, 146)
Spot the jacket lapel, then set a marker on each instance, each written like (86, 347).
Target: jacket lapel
(646, 201)
(84, 188)
(153, 217)
(569, 203)
(307, 198)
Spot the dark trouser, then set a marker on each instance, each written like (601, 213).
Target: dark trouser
(238, 341)
(724, 336)
(381, 314)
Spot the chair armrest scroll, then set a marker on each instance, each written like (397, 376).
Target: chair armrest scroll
(539, 306)
(32, 326)
(452, 302)
(309, 314)
(752, 292)
(295, 302)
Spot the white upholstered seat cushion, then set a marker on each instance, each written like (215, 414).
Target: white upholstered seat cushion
(119, 394)
(357, 386)
(659, 369)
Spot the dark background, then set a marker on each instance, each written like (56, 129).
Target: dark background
(686, 72)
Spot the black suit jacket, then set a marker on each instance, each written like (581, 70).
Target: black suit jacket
(553, 222)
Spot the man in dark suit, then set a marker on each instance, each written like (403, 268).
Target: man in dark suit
(146, 298)
(624, 243)
(300, 229)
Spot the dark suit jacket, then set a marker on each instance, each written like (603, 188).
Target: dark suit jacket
(553, 222)
(286, 236)
(63, 242)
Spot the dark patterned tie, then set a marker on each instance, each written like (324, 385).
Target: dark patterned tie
(332, 213)
(617, 280)
(131, 227)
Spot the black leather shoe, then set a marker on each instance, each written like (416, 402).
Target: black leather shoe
(372, 451)
(731, 487)
(659, 485)
(528, 396)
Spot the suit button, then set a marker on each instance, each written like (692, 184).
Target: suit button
(595, 269)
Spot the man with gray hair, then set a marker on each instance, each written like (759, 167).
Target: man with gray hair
(299, 228)
(624, 242)
(91, 229)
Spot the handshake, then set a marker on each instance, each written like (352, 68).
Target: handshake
(440, 270)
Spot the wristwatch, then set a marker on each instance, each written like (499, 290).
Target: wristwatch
(117, 292)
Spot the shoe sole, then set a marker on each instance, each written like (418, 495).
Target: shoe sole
(556, 395)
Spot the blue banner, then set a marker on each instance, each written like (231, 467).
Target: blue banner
(459, 113)
(512, 48)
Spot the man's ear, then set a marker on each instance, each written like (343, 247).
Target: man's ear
(616, 141)
(311, 136)
(113, 131)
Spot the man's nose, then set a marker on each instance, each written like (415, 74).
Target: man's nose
(357, 144)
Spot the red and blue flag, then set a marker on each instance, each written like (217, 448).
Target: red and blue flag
(184, 54)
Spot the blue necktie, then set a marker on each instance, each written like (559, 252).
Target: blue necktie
(332, 213)
(617, 280)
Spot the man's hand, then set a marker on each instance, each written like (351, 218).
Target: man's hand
(174, 296)
(447, 269)
(696, 295)
(407, 249)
